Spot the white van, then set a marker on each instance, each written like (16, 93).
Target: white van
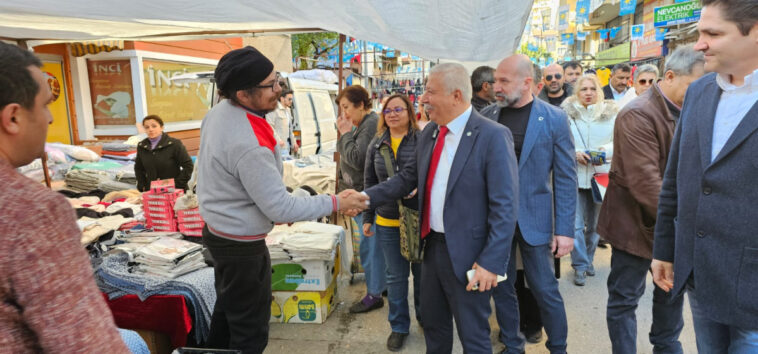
(314, 111)
(315, 115)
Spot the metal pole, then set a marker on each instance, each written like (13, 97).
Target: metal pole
(339, 62)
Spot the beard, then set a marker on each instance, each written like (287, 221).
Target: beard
(507, 100)
(558, 88)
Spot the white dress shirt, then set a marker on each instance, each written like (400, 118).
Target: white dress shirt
(618, 95)
(439, 186)
(734, 104)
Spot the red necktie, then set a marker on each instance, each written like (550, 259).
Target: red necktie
(425, 225)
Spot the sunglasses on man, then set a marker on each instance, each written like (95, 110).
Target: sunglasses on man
(646, 82)
(550, 77)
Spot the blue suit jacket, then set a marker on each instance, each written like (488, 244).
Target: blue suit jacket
(547, 206)
(480, 204)
(707, 222)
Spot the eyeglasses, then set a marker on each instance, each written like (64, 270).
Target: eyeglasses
(550, 77)
(396, 110)
(273, 85)
(646, 82)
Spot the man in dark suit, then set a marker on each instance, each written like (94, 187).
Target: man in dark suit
(466, 176)
(705, 236)
(544, 148)
(619, 83)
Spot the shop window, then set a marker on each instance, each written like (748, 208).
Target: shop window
(175, 102)
(110, 83)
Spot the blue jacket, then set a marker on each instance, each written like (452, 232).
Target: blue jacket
(480, 204)
(707, 220)
(547, 205)
(376, 171)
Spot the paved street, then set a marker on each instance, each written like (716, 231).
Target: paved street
(367, 333)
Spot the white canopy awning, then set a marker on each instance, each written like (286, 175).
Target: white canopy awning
(469, 30)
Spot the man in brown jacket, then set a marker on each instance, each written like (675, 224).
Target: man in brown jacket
(641, 142)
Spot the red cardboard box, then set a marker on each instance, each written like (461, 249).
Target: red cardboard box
(163, 186)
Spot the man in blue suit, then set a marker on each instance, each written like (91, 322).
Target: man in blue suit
(705, 236)
(545, 228)
(466, 174)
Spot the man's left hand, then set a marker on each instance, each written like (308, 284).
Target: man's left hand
(561, 245)
(295, 147)
(486, 279)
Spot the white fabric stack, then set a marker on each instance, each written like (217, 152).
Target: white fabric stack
(169, 257)
(304, 241)
(275, 247)
(303, 247)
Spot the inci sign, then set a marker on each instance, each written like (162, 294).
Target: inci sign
(104, 67)
(676, 14)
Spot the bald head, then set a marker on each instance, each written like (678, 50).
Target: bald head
(519, 64)
(552, 77)
(513, 81)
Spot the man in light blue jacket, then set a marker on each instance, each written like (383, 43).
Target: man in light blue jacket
(545, 226)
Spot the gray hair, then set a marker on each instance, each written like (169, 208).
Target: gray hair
(481, 75)
(454, 77)
(647, 68)
(683, 60)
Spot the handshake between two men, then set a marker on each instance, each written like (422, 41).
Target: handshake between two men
(352, 202)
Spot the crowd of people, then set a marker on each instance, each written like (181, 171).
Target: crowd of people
(496, 166)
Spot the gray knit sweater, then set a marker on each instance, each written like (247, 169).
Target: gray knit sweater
(240, 186)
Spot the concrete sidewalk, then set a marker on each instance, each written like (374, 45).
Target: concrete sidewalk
(367, 333)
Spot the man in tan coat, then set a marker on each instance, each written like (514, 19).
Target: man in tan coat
(641, 141)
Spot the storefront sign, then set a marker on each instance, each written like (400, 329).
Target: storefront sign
(110, 83)
(617, 54)
(171, 101)
(676, 14)
(648, 46)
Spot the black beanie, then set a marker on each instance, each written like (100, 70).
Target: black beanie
(241, 69)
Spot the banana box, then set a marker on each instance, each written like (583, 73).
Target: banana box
(303, 306)
(304, 276)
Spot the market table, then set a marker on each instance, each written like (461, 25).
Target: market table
(167, 314)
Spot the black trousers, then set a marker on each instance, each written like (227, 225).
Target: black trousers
(243, 294)
(530, 319)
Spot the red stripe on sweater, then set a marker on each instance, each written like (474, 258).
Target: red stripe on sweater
(263, 131)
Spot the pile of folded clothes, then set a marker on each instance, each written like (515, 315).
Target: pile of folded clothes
(304, 241)
(86, 180)
(169, 257)
(116, 278)
(119, 150)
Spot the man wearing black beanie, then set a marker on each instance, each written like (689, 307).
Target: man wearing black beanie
(242, 195)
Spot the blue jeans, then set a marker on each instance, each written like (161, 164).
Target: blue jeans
(585, 242)
(372, 260)
(715, 337)
(626, 284)
(398, 270)
(538, 269)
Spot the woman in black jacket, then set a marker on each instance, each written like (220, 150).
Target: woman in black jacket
(397, 132)
(161, 157)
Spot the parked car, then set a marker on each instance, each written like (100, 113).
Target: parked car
(315, 115)
(314, 111)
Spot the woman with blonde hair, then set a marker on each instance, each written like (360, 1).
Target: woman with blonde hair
(591, 118)
(395, 142)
